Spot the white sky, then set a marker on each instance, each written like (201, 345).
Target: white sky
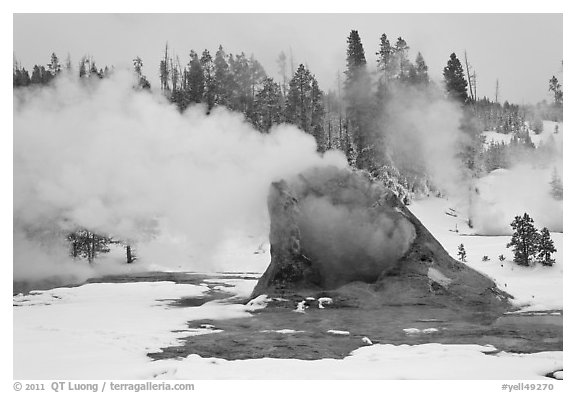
(522, 50)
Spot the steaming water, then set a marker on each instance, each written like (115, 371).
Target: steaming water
(106, 157)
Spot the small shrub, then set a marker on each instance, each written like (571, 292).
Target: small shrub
(461, 253)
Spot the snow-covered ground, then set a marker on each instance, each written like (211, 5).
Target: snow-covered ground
(496, 137)
(426, 361)
(548, 131)
(99, 331)
(105, 330)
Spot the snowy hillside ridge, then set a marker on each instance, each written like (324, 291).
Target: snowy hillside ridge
(536, 288)
(548, 132)
(505, 193)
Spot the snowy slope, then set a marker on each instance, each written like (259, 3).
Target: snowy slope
(534, 288)
(548, 131)
(496, 137)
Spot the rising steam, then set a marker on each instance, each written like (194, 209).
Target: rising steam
(423, 135)
(126, 163)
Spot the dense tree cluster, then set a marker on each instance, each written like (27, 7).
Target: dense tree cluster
(530, 245)
(503, 118)
(239, 83)
(88, 245)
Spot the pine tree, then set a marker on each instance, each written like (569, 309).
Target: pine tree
(461, 253)
(455, 80)
(164, 71)
(557, 186)
(36, 77)
(241, 86)
(360, 111)
(54, 67)
(282, 66)
(88, 245)
(401, 53)
(138, 64)
(94, 69)
(222, 79)
(268, 105)
(82, 72)
(209, 95)
(525, 240)
(421, 70)
(20, 77)
(256, 76)
(386, 60)
(68, 64)
(355, 61)
(299, 99)
(317, 116)
(194, 79)
(546, 248)
(556, 88)
(305, 105)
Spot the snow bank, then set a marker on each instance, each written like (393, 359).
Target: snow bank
(96, 330)
(338, 332)
(103, 331)
(427, 361)
(420, 331)
(496, 137)
(324, 300)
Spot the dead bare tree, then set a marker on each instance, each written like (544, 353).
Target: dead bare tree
(471, 79)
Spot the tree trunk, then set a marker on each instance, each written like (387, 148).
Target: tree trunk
(91, 248)
(129, 258)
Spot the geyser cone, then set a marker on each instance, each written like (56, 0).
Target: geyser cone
(335, 232)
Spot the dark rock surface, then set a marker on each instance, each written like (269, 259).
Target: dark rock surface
(335, 233)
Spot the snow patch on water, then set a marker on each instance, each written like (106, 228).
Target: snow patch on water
(411, 331)
(338, 332)
(324, 300)
(301, 307)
